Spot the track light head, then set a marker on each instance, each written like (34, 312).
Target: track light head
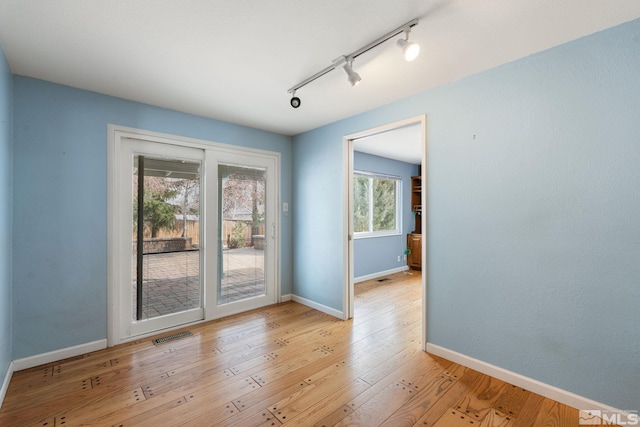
(410, 50)
(295, 101)
(354, 78)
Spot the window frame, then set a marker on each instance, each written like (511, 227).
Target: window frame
(397, 231)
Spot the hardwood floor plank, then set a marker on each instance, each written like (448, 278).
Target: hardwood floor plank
(477, 402)
(181, 404)
(554, 414)
(412, 376)
(529, 410)
(333, 418)
(255, 405)
(285, 364)
(358, 365)
(455, 418)
(335, 378)
(409, 414)
(392, 364)
(497, 419)
(452, 395)
(330, 409)
(379, 407)
(511, 401)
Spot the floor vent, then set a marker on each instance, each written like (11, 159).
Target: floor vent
(172, 337)
(386, 279)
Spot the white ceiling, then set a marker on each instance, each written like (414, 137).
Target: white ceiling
(402, 143)
(234, 60)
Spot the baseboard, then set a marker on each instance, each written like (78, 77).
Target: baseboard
(566, 397)
(54, 356)
(380, 274)
(5, 383)
(323, 308)
(285, 298)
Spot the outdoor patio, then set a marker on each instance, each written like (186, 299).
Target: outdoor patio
(170, 282)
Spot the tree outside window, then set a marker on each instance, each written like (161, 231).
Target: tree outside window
(376, 209)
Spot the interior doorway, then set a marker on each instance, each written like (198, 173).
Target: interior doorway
(386, 142)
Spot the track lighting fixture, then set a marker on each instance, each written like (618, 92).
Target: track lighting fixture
(410, 51)
(346, 64)
(354, 78)
(295, 101)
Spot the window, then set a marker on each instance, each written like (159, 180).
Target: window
(376, 200)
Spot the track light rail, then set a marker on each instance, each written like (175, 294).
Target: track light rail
(350, 57)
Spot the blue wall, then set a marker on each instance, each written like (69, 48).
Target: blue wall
(534, 230)
(60, 205)
(6, 135)
(378, 254)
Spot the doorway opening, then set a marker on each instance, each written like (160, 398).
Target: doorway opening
(396, 151)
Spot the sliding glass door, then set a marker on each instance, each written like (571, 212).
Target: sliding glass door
(246, 231)
(194, 233)
(166, 281)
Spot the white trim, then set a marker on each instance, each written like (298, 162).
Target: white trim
(323, 308)
(347, 230)
(113, 207)
(5, 383)
(389, 126)
(425, 229)
(285, 298)
(551, 392)
(380, 274)
(347, 140)
(185, 141)
(56, 355)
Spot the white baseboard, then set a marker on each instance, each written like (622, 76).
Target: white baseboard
(566, 397)
(54, 356)
(5, 383)
(285, 298)
(380, 274)
(323, 308)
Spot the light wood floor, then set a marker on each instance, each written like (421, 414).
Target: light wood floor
(284, 364)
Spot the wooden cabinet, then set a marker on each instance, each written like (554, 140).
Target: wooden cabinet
(414, 243)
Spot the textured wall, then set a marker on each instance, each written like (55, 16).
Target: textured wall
(60, 205)
(534, 238)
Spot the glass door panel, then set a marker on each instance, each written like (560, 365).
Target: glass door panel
(162, 250)
(166, 252)
(242, 213)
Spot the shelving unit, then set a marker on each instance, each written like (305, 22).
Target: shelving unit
(416, 203)
(414, 239)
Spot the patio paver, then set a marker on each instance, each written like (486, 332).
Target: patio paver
(170, 282)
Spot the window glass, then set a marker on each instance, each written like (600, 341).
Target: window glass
(376, 204)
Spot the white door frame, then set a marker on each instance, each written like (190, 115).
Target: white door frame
(272, 295)
(348, 294)
(115, 136)
(129, 327)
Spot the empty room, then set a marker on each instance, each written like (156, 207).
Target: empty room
(319, 213)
